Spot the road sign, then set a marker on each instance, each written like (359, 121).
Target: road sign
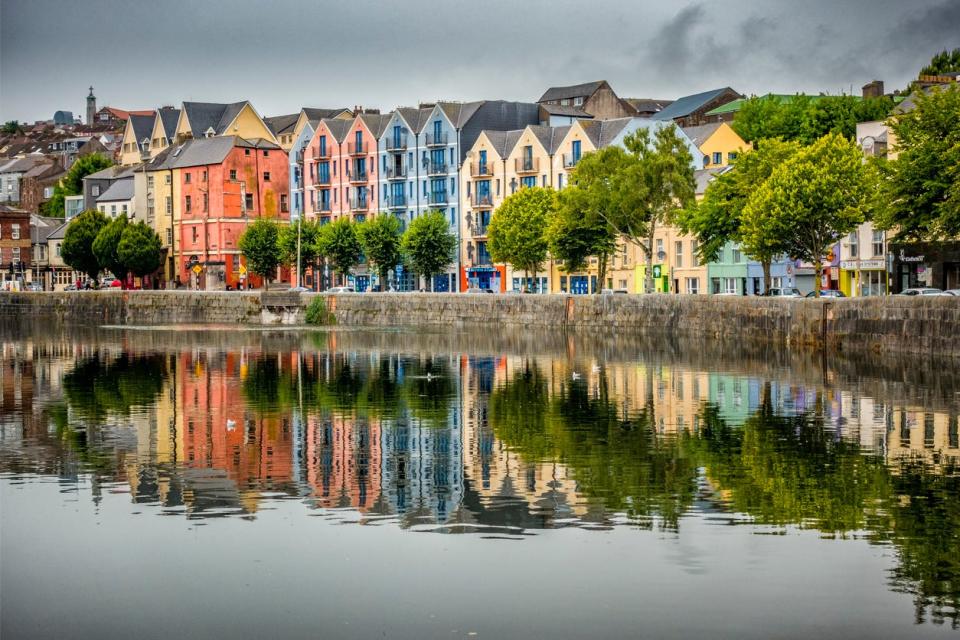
(197, 269)
(242, 270)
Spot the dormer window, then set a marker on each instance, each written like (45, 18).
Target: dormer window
(209, 133)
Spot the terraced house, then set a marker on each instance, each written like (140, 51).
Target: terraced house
(303, 130)
(210, 119)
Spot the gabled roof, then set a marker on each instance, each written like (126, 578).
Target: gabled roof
(415, 117)
(116, 172)
(573, 91)
(700, 134)
(315, 115)
(703, 177)
(648, 105)
(142, 125)
(41, 227)
(120, 190)
(22, 165)
(782, 98)
(204, 116)
(59, 232)
(565, 110)
(549, 137)
(376, 122)
(168, 118)
(688, 104)
(503, 141)
(459, 113)
(339, 128)
(604, 132)
(123, 114)
(203, 151)
(282, 124)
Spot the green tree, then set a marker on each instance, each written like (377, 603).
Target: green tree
(72, 183)
(105, 248)
(428, 244)
(770, 116)
(518, 229)
(77, 247)
(812, 200)
(943, 62)
(654, 182)
(309, 232)
(577, 231)
(338, 241)
(380, 238)
(922, 185)
(259, 245)
(140, 249)
(717, 219)
(11, 128)
(806, 119)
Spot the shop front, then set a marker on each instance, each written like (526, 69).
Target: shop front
(860, 278)
(925, 264)
(486, 277)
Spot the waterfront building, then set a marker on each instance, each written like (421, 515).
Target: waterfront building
(718, 143)
(863, 262)
(98, 183)
(728, 274)
(222, 184)
(210, 119)
(164, 130)
(137, 135)
(15, 246)
(303, 130)
(118, 199)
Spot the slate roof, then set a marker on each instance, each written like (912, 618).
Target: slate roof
(120, 190)
(651, 105)
(688, 104)
(115, 172)
(169, 119)
(203, 151)
(203, 116)
(698, 135)
(416, 118)
(282, 124)
(41, 227)
(460, 113)
(59, 232)
(573, 91)
(703, 177)
(565, 110)
(142, 125)
(503, 141)
(315, 115)
(603, 132)
(376, 122)
(549, 137)
(22, 165)
(339, 128)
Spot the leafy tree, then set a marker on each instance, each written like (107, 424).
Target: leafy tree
(259, 244)
(140, 249)
(576, 230)
(380, 238)
(517, 230)
(770, 116)
(718, 218)
(11, 127)
(338, 241)
(309, 233)
(72, 183)
(654, 182)
(943, 62)
(922, 185)
(105, 248)
(77, 247)
(806, 119)
(428, 244)
(812, 200)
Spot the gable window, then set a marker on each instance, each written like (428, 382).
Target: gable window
(233, 174)
(323, 146)
(717, 157)
(186, 177)
(266, 176)
(266, 154)
(577, 150)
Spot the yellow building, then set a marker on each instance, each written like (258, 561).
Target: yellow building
(718, 142)
(287, 128)
(156, 193)
(136, 139)
(209, 119)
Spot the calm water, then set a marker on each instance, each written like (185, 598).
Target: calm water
(250, 484)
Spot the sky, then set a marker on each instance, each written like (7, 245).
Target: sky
(285, 54)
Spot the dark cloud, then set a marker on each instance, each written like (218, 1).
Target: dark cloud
(287, 53)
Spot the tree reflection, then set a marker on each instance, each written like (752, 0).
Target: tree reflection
(97, 388)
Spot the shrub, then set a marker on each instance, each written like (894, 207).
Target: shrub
(317, 313)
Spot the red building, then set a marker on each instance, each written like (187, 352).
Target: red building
(223, 184)
(14, 246)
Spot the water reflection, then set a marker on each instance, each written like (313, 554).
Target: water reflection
(498, 440)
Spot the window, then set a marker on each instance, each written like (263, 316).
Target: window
(248, 201)
(266, 154)
(283, 203)
(150, 209)
(693, 285)
(717, 157)
(169, 206)
(731, 156)
(854, 244)
(659, 255)
(878, 243)
(729, 285)
(15, 231)
(167, 179)
(194, 230)
(543, 181)
(203, 175)
(113, 211)
(266, 176)
(188, 203)
(528, 181)
(576, 151)
(233, 174)
(48, 192)
(694, 258)
(736, 256)
(206, 202)
(16, 254)
(94, 190)
(578, 101)
(186, 177)
(169, 236)
(149, 182)
(246, 152)
(678, 253)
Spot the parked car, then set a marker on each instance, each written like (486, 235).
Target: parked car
(953, 292)
(299, 289)
(70, 287)
(341, 290)
(34, 286)
(828, 293)
(783, 292)
(922, 291)
(478, 290)
(611, 292)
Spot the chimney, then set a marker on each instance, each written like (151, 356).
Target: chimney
(873, 89)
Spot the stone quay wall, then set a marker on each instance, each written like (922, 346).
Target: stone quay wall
(920, 325)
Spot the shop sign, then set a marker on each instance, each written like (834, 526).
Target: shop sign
(863, 265)
(906, 258)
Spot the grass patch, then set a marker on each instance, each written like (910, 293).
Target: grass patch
(317, 313)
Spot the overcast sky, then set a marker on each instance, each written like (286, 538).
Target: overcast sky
(284, 54)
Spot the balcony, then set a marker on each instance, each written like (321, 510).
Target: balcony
(437, 197)
(396, 143)
(322, 181)
(478, 170)
(324, 207)
(355, 149)
(359, 205)
(482, 202)
(358, 177)
(394, 173)
(395, 202)
(570, 161)
(321, 154)
(527, 165)
(434, 140)
(478, 230)
(436, 168)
